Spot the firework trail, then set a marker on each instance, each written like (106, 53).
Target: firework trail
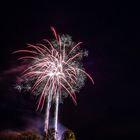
(55, 71)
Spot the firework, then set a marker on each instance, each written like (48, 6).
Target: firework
(55, 71)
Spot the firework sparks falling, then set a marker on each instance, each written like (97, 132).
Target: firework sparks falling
(54, 71)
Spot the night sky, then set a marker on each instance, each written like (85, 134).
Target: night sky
(110, 32)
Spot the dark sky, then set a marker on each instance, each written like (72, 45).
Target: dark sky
(110, 32)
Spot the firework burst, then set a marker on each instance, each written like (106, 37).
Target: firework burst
(55, 71)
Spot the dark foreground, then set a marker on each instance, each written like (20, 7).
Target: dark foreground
(26, 135)
(31, 135)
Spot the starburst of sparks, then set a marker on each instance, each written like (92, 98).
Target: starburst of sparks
(55, 66)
